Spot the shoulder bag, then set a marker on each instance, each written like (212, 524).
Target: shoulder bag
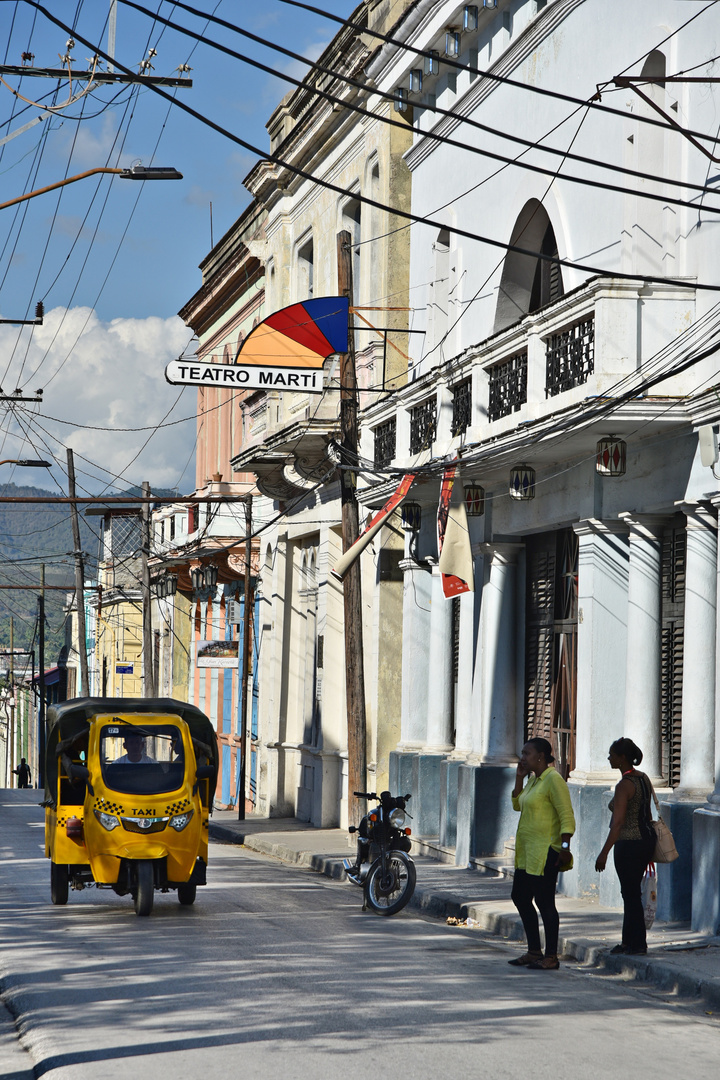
(665, 850)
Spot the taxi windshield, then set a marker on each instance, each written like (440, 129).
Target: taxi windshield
(143, 760)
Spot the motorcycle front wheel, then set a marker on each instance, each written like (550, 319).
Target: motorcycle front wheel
(389, 893)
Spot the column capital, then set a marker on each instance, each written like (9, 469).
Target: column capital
(699, 514)
(595, 527)
(644, 526)
(503, 553)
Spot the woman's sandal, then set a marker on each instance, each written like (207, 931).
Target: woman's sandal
(548, 963)
(525, 960)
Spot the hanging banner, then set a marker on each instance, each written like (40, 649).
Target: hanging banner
(373, 527)
(286, 351)
(455, 554)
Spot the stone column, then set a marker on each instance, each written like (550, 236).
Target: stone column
(417, 591)
(602, 645)
(643, 689)
(439, 738)
(499, 702)
(697, 754)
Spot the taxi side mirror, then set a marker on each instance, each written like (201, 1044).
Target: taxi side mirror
(204, 772)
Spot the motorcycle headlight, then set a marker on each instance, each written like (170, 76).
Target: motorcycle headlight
(108, 821)
(397, 818)
(181, 820)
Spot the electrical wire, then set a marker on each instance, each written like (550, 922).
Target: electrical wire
(365, 199)
(404, 46)
(432, 135)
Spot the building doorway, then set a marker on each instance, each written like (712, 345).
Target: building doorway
(551, 643)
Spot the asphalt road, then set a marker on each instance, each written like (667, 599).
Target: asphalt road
(276, 973)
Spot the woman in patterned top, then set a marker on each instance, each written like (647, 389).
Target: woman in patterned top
(633, 838)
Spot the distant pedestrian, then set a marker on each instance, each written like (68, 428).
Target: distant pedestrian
(633, 838)
(542, 849)
(23, 773)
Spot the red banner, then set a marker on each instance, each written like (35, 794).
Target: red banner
(451, 583)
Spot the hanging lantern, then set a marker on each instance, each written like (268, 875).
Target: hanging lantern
(171, 583)
(159, 588)
(522, 482)
(611, 456)
(411, 516)
(197, 577)
(211, 576)
(474, 500)
(470, 17)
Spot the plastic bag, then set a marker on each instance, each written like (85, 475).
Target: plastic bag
(649, 895)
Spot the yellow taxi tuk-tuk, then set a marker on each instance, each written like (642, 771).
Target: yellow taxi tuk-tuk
(128, 790)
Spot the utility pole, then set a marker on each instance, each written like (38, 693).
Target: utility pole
(79, 579)
(41, 680)
(247, 639)
(11, 728)
(147, 648)
(352, 589)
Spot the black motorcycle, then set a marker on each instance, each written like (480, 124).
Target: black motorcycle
(383, 868)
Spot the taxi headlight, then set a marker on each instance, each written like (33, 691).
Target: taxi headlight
(397, 818)
(181, 820)
(108, 821)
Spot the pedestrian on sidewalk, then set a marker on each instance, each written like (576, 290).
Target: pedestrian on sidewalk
(23, 773)
(633, 839)
(542, 850)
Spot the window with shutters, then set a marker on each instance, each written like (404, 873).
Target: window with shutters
(551, 643)
(672, 615)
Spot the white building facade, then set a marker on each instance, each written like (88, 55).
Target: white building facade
(594, 614)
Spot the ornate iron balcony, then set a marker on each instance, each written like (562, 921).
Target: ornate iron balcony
(462, 407)
(385, 437)
(423, 421)
(508, 386)
(570, 357)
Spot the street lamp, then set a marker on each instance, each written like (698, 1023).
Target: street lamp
(137, 172)
(29, 463)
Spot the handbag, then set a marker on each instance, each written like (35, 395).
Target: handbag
(665, 850)
(649, 895)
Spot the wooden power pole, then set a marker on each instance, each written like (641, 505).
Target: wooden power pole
(42, 734)
(79, 580)
(147, 649)
(352, 590)
(247, 640)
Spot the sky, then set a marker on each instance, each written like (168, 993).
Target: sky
(114, 260)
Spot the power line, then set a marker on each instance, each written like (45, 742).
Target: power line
(365, 199)
(432, 135)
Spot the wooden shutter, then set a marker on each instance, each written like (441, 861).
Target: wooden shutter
(672, 619)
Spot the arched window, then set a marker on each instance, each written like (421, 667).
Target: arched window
(528, 282)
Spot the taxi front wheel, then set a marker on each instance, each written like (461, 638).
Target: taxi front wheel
(145, 887)
(59, 879)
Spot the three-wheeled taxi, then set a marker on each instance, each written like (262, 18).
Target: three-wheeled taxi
(129, 784)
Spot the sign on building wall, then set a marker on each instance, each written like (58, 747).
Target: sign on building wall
(217, 654)
(286, 351)
(124, 669)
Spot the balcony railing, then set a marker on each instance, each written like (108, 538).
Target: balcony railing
(462, 407)
(423, 423)
(385, 439)
(507, 386)
(570, 357)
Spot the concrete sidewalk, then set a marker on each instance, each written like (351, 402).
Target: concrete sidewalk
(679, 962)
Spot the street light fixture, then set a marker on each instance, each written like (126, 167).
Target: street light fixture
(137, 172)
(29, 463)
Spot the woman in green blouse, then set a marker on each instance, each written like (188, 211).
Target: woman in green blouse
(542, 849)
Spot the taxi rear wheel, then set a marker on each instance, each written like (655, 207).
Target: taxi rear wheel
(59, 879)
(187, 892)
(145, 887)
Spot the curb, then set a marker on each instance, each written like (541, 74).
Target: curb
(638, 968)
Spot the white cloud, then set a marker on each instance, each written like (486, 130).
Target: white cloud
(112, 377)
